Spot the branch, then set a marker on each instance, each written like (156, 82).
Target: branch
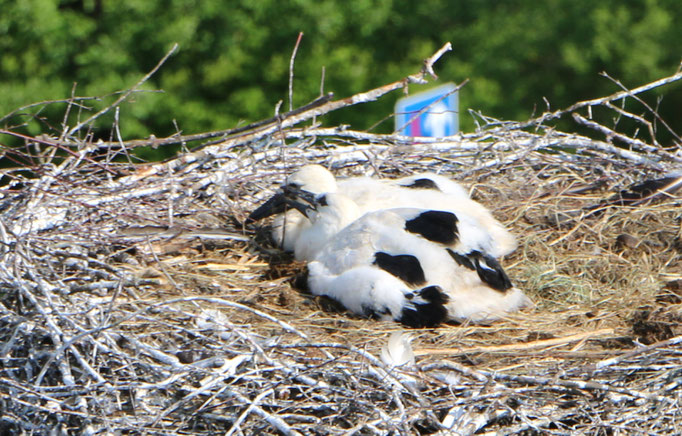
(641, 350)
(428, 63)
(649, 108)
(125, 95)
(597, 101)
(626, 139)
(515, 347)
(291, 72)
(267, 127)
(69, 101)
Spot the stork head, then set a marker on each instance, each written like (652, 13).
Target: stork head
(312, 178)
(297, 192)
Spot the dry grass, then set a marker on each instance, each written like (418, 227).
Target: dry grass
(198, 331)
(132, 301)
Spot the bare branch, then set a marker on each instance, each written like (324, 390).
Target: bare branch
(132, 297)
(291, 72)
(125, 95)
(599, 101)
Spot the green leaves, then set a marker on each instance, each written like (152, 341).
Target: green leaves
(233, 62)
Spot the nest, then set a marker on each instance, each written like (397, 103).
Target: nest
(132, 300)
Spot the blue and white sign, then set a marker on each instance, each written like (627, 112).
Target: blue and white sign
(430, 113)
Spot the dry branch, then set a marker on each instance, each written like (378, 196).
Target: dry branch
(132, 301)
(621, 95)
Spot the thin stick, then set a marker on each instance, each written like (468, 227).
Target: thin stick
(291, 71)
(428, 63)
(598, 101)
(577, 384)
(646, 105)
(69, 101)
(126, 94)
(295, 117)
(615, 360)
(321, 89)
(514, 347)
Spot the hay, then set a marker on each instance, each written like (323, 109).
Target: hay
(132, 301)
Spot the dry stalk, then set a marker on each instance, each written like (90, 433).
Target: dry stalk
(132, 300)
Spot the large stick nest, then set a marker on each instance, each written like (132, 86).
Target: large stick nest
(132, 300)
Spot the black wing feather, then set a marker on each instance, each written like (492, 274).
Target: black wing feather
(403, 266)
(435, 225)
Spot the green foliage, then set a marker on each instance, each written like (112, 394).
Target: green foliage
(232, 66)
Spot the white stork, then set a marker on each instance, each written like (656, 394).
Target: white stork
(417, 266)
(425, 191)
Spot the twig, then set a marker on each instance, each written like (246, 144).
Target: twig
(577, 384)
(515, 347)
(641, 350)
(268, 128)
(125, 95)
(69, 101)
(273, 420)
(291, 72)
(597, 101)
(221, 134)
(637, 118)
(632, 156)
(649, 108)
(224, 302)
(626, 139)
(57, 145)
(428, 63)
(236, 426)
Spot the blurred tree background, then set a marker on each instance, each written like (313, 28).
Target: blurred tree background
(232, 64)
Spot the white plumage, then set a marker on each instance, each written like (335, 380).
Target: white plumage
(398, 351)
(380, 265)
(426, 191)
(431, 260)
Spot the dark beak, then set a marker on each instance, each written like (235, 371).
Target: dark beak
(276, 204)
(288, 197)
(293, 195)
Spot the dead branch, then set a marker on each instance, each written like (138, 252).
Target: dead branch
(124, 95)
(132, 298)
(291, 71)
(541, 120)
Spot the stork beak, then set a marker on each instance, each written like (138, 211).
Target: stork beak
(288, 197)
(295, 193)
(276, 204)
